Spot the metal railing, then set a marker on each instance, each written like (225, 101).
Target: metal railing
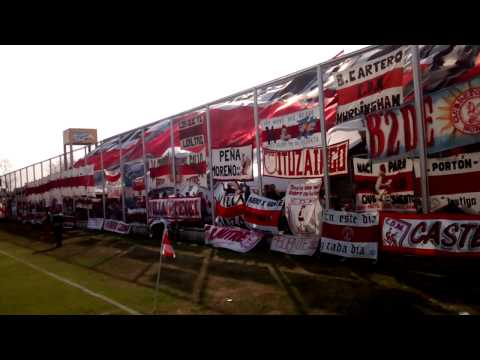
(12, 181)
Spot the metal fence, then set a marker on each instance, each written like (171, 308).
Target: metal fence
(16, 181)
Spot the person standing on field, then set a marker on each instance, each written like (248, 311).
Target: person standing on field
(58, 228)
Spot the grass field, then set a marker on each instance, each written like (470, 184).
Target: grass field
(27, 290)
(102, 273)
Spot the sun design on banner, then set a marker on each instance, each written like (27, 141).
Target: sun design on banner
(460, 108)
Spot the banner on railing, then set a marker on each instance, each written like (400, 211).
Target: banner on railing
(294, 244)
(95, 223)
(262, 213)
(431, 234)
(451, 116)
(176, 208)
(371, 86)
(234, 163)
(191, 131)
(453, 180)
(116, 226)
(294, 131)
(350, 234)
(303, 209)
(232, 238)
(305, 163)
(230, 210)
(387, 185)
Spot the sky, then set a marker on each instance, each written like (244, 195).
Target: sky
(47, 89)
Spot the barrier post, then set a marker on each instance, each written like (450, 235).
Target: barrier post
(321, 105)
(257, 140)
(22, 194)
(145, 173)
(418, 92)
(61, 176)
(124, 218)
(209, 140)
(103, 184)
(172, 144)
(71, 157)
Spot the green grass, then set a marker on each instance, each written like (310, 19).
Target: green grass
(25, 290)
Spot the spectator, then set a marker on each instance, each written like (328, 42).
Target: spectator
(266, 190)
(272, 193)
(230, 190)
(58, 220)
(244, 192)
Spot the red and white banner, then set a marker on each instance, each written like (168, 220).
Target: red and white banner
(454, 179)
(302, 207)
(230, 210)
(350, 234)
(95, 223)
(191, 131)
(116, 226)
(305, 163)
(113, 184)
(69, 183)
(430, 234)
(451, 117)
(160, 173)
(295, 245)
(371, 86)
(234, 163)
(387, 185)
(193, 168)
(176, 208)
(262, 213)
(232, 238)
(294, 131)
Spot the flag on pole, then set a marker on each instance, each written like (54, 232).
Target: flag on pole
(167, 248)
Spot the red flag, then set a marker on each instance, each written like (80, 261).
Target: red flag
(167, 248)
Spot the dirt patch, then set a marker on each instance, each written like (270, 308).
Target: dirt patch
(124, 268)
(231, 296)
(142, 254)
(88, 242)
(178, 280)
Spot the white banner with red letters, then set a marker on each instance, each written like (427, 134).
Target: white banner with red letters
(302, 207)
(305, 163)
(371, 85)
(387, 185)
(234, 163)
(176, 208)
(451, 117)
(350, 234)
(232, 238)
(453, 180)
(230, 210)
(95, 223)
(294, 244)
(262, 213)
(116, 226)
(431, 234)
(294, 131)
